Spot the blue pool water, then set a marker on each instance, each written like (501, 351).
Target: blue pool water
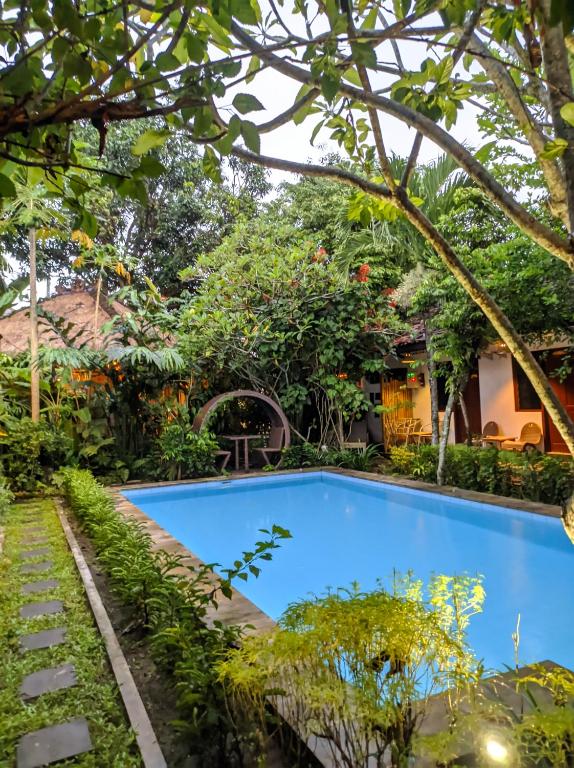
(346, 529)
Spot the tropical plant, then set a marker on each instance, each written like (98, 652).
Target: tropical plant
(359, 668)
(187, 453)
(271, 312)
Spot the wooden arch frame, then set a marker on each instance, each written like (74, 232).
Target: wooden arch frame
(273, 410)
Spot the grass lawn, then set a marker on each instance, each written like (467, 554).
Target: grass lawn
(95, 696)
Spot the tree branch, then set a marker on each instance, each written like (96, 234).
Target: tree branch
(543, 235)
(412, 161)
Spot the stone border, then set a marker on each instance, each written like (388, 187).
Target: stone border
(151, 754)
(522, 505)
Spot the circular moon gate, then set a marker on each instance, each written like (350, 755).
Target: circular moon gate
(272, 410)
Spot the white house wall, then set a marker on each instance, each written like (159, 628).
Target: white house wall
(497, 396)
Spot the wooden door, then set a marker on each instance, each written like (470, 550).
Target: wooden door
(565, 391)
(399, 400)
(471, 396)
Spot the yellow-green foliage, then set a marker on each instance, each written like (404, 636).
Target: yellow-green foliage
(357, 662)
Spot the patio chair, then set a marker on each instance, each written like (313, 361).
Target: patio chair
(274, 444)
(225, 456)
(530, 436)
(489, 429)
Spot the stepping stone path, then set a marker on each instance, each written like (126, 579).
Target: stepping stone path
(48, 681)
(40, 586)
(60, 741)
(32, 610)
(48, 638)
(57, 742)
(37, 567)
(35, 553)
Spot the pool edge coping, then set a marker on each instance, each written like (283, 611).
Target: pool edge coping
(239, 610)
(522, 505)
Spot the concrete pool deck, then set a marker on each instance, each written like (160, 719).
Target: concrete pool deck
(240, 610)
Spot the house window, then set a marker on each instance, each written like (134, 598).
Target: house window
(442, 375)
(525, 397)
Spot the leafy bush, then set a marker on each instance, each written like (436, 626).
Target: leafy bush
(169, 601)
(530, 475)
(186, 453)
(6, 497)
(362, 664)
(31, 452)
(309, 455)
(303, 455)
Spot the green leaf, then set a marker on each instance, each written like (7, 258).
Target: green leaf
(250, 136)
(151, 166)
(483, 154)
(567, 112)
(7, 188)
(246, 102)
(554, 149)
(149, 140)
(211, 165)
(364, 54)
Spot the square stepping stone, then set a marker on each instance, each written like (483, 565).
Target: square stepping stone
(35, 529)
(45, 639)
(40, 586)
(35, 553)
(37, 567)
(37, 540)
(32, 610)
(57, 742)
(48, 681)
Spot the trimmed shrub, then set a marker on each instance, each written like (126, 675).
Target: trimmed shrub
(169, 601)
(530, 475)
(309, 455)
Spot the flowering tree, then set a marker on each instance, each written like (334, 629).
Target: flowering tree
(273, 313)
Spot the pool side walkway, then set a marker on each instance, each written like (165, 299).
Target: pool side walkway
(60, 699)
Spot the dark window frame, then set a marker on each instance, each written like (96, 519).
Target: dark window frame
(523, 389)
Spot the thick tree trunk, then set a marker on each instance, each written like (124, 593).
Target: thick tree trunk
(34, 365)
(507, 332)
(441, 468)
(560, 92)
(465, 418)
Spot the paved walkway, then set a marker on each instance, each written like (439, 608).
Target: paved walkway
(38, 570)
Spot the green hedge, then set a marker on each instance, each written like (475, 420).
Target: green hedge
(309, 455)
(529, 475)
(170, 608)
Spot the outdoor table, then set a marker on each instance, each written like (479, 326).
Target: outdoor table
(497, 439)
(238, 439)
(421, 436)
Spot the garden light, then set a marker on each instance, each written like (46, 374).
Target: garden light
(496, 751)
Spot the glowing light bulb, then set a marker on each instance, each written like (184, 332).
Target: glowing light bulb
(496, 751)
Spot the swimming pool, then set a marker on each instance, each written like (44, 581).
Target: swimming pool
(348, 529)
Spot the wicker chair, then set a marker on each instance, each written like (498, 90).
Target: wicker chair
(530, 436)
(489, 429)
